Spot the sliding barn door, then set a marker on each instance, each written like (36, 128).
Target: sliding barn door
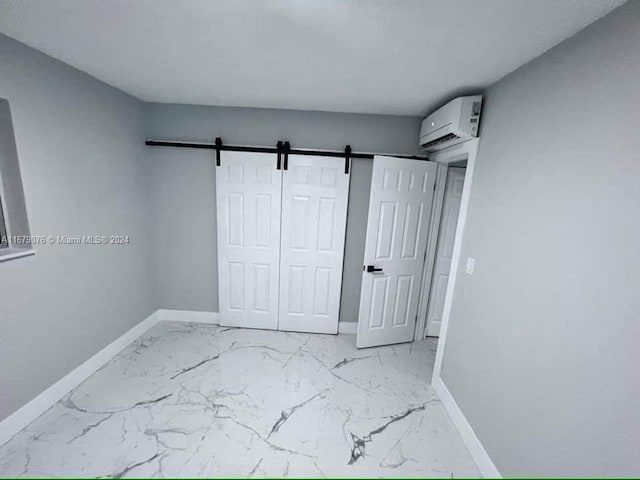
(397, 230)
(248, 194)
(314, 215)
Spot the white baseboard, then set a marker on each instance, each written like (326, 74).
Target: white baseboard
(348, 328)
(40, 404)
(477, 451)
(214, 319)
(188, 316)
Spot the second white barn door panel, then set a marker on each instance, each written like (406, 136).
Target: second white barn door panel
(315, 192)
(248, 196)
(397, 230)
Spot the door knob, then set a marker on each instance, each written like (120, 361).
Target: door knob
(371, 268)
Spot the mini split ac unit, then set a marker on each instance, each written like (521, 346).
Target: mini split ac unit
(456, 122)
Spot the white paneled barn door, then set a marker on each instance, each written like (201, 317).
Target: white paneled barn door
(314, 213)
(248, 196)
(397, 230)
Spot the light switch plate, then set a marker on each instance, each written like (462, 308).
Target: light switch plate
(471, 265)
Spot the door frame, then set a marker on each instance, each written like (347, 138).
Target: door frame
(469, 151)
(430, 256)
(422, 326)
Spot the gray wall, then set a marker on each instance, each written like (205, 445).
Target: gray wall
(183, 192)
(543, 353)
(82, 161)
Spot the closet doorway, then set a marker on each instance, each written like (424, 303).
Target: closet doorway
(281, 231)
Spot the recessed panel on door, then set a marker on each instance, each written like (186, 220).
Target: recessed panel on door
(397, 230)
(248, 194)
(314, 215)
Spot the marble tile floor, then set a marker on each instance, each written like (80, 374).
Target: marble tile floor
(198, 400)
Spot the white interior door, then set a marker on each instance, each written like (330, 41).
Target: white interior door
(444, 249)
(314, 215)
(397, 231)
(248, 195)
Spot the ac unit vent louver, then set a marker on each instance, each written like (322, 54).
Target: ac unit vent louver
(446, 138)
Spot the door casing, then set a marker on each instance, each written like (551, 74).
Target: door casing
(445, 238)
(465, 151)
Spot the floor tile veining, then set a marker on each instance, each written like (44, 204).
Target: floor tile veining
(201, 400)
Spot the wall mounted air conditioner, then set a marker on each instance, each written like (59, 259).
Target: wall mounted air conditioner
(456, 122)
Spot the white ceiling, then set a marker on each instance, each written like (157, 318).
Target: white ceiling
(369, 56)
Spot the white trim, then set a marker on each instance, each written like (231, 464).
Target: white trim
(348, 328)
(430, 255)
(188, 316)
(468, 150)
(45, 400)
(477, 451)
(9, 253)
